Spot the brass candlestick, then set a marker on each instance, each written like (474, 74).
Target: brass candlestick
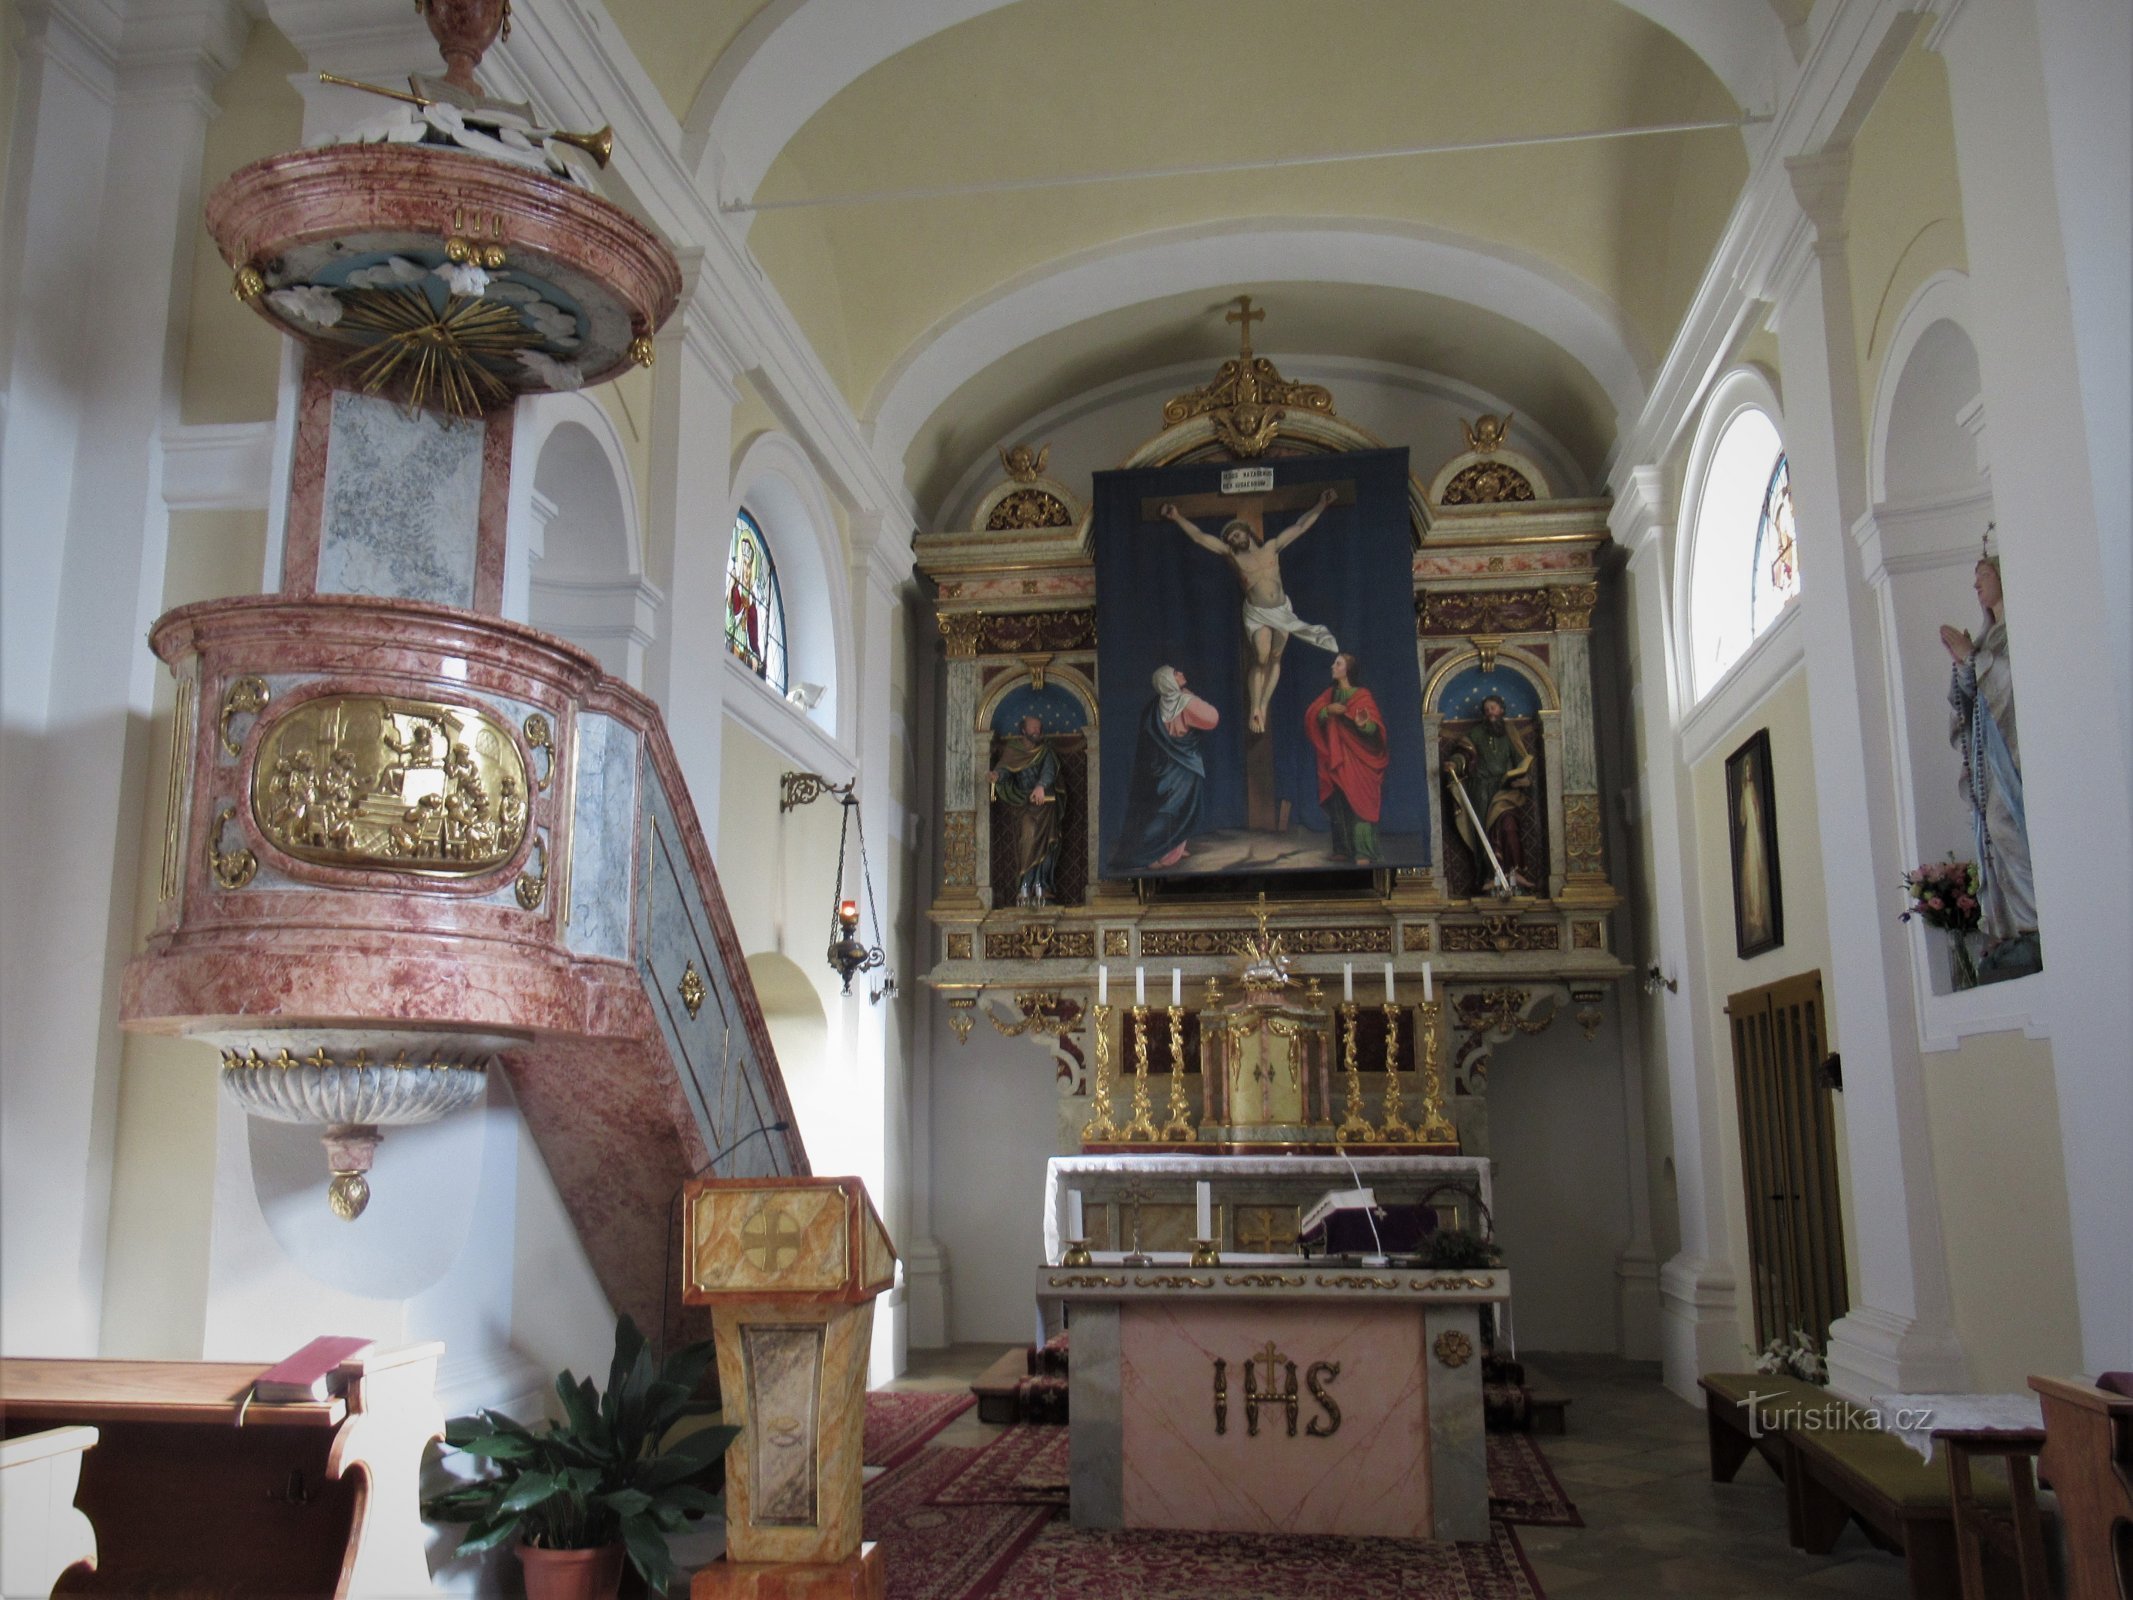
(1396, 1129)
(1352, 1125)
(1437, 1128)
(1077, 1254)
(1143, 1124)
(1205, 1254)
(1101, 1129)
(1180, 1124)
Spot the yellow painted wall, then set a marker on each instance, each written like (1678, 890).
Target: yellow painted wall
(1043, 87)
(232, 354)
(1806, 946)
(1904, 212)
(2000, 1177)
(678, 41)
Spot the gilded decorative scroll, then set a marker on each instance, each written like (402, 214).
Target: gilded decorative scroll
(1029, 508)
(1297, 941)
(959, 847)
(1248, 399)
(1502, 934)
(1469, 611)
(1487, 483)
(1581, 832)
(1038, 941)
(1117, 942)
(1572, 606)
(233, 869)
(246, 697)
(960, 629)
(366, 780)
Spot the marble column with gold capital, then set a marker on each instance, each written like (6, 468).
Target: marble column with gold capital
(790, 1268)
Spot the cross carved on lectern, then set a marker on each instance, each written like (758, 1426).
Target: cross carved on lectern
(1245, 315)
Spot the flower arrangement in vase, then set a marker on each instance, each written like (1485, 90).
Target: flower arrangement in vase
(1944, 895)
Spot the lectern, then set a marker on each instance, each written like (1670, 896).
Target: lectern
(790, 1268)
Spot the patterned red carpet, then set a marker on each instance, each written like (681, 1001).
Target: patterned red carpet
(989, 1523)
(899, 1422)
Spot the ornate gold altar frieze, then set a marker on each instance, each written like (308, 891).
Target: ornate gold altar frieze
(1498, 1011)
(1262, 1280)
(233, 869)
(1087, 1280)
(692, 990)
(959, 946)
(1321, 941)
(1440, 1285)
(1487, 483)
(1500, 932)
(1248, 400)
(1440, 612)
(1173, 1281)
(1117, 942)
(373, 781)
(1453, 1348)
(1350, 1280)
(1040, 941)
(1040, 1014)
(960, 629)
(246, 697)
(1015, 632)
(1029, 508)
(1572, 606)
(1582, 843)
(1415, 938)
(285, 1061)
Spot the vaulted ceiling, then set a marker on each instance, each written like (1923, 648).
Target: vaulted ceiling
(1553, 276)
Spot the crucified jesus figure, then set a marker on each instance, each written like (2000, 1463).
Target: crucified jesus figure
(1269, 620)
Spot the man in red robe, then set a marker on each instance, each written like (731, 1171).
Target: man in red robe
(1348, 738)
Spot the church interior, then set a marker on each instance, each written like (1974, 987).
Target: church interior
(631, 752)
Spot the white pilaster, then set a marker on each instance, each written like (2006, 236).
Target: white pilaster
(2034, 132)
(1699, 1324)
(115, 103)
(687, 535)
(1899, 1333)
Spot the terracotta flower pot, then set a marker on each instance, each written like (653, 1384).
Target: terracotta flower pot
(572, 1574)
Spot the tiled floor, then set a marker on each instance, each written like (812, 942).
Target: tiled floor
(1634, 1463)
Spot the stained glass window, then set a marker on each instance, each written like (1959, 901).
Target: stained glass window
(1775, 572)
(755, 613)
(1745, 562)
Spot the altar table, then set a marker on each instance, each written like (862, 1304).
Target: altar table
(1279, 1396)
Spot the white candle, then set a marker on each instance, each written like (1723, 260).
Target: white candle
(1140, 986)
(1429, 989)
(1103, 986)
(1389, 997)
(1074, 1215)
(1177, 987)
(1348, 983)
(1202, 1193)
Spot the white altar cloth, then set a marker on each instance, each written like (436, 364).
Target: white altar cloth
(1915, 1418)
(1333, 1169)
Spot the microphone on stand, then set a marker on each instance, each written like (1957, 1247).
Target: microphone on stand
(666, 1287)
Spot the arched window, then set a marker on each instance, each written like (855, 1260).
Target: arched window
(1745, 561)
(755, 612)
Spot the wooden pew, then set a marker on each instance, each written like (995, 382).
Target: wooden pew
(2088, 1461)
(190, 1490)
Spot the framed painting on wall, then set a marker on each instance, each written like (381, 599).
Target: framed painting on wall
(1751, 830)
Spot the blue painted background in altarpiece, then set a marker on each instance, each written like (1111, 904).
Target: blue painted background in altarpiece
(1161, 600)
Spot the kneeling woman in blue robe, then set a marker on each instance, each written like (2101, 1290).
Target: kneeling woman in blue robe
(1169, 774)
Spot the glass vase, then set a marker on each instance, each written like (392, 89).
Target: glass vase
(1962, 965)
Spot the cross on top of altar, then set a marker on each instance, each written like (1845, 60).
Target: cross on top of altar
(1245, 316)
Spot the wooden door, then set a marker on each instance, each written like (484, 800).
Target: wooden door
(1788, 1158)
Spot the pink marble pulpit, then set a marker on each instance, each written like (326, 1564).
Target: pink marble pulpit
(1291, 1398)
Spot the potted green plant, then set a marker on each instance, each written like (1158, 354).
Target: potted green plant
(602, 1483)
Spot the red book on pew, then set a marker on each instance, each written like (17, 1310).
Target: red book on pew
(312, 1373)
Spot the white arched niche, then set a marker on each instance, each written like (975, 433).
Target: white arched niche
(776, 483)
(1919, 549)
(1726, 658)
(579, 572)
(799, 1033)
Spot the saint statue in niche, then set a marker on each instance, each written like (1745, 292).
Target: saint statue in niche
(1270, 621)
(1169, 775)
(1347, 736)
(1025, 779)
(1982, 730)
(1492, 764)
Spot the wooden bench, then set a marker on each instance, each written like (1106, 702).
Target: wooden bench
(1900, 1501)
(2088, 1457)
(1750, 1411)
